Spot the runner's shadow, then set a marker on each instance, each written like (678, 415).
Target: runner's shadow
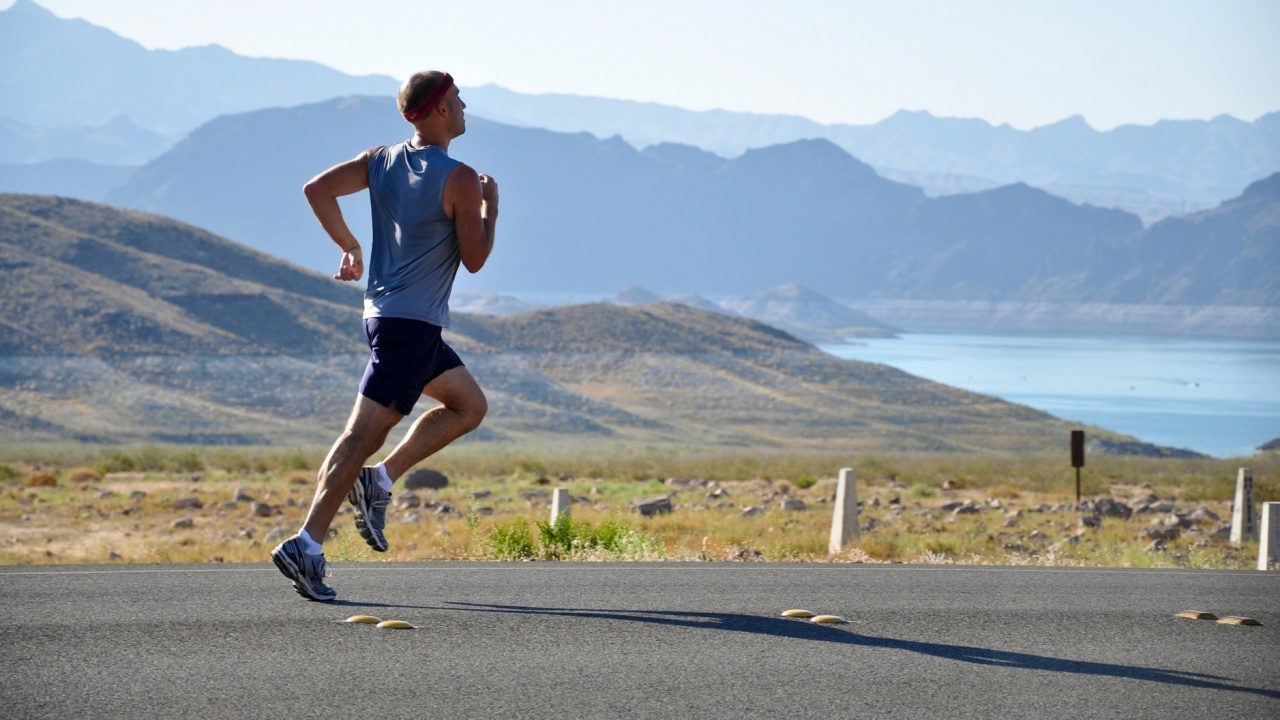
(357, 603)
(800, 630)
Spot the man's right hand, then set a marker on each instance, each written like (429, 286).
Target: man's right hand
(489, 190)
(352, 266)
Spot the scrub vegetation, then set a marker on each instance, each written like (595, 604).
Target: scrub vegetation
(162, 504)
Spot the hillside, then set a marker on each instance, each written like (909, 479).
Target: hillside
(158, 331)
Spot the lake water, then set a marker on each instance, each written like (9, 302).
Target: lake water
(1219, 397)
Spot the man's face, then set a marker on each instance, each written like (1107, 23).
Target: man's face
(457, 118)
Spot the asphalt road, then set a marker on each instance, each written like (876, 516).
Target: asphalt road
(562, 640)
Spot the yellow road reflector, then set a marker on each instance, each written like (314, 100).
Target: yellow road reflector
(797, 613)
(395, 625)
(1196, 615)
(828, 619)
(1237, 620)
(363, 619)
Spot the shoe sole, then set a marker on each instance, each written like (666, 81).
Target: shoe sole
(290, 571)
(356, 497)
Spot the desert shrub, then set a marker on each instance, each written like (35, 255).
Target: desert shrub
(804, 482)
(1005, 491)
(7, 472)
(188, 461)
(79, 475)
(512, 541)
(42, 478)
(922, 490)
(299, 477)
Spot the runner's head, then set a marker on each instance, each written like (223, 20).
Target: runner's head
(430, 97)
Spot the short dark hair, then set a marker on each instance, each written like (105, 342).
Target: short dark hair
(417, 88)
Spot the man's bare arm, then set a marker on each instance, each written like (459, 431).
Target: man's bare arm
(471, 199)
(322, 193)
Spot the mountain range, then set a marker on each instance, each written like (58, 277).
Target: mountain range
(128, 327)
(1171, 167)
(141, 101)
(591, 216)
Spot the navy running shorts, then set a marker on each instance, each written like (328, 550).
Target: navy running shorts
(404, 355)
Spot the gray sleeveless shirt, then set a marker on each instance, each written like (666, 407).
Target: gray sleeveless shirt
(414, 255)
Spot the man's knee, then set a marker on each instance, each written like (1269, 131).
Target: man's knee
(473, 410)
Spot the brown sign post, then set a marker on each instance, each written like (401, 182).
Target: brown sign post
(1077, 457)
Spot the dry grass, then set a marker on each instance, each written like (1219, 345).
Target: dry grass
(128, 515)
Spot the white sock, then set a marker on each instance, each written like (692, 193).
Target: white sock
(384, 480)
(310, 546)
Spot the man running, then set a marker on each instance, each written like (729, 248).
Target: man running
(430, 213)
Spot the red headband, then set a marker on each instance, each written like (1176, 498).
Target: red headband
(429, 103)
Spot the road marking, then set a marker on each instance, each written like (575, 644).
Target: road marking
(797, 613)
(1196, 615)
(365, 619)
(1237, 620)
(395, 625)
(829, 620)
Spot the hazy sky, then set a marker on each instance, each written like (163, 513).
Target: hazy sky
(1025, 62)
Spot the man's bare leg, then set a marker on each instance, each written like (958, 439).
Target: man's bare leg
(366, 430)
(462, 408)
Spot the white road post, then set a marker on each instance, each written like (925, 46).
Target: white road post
(844, 522)
(1243, 525)
(1269, 542)
(560, 502)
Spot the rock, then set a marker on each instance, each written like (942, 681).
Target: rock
(412, 517)
(717, 493)
(1110, 507)
(1155, 546)
(968, 507)
(752, 511)
(995, 504)
(405, 501)
(230, 505)
(1009, 522)
(242, 496)
(483, 511)
(1176, 520)
(425, 479)
(1038, 535)
(951, 506)
(333, 533)
(1042, 507)
(261, 509)
(895, 500)
(1203, 514)
(246, 533)
(113, 555)
(137, 495)
(1159, 506)
(276, 534)
(742, 554)
(1013, 514)
(535, 495)
(792, 504)
(948, 485)
(481, 494)
(104, 494)
(444, 509)
(653, 506)
(182, 523)
(1091, 521)
(187, 503)
(1161, 534)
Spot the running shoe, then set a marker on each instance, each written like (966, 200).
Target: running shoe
(306, 571)
(370, 501)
